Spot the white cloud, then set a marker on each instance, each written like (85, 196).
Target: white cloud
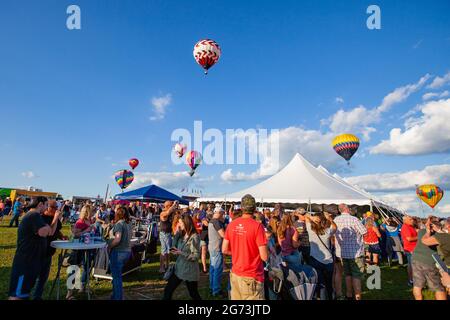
(435, 95)
(445, 208)
(359, 119)
(28, 174)
(169, 180)
(398, 181)
(228, 176)
(159, 106)
(401, 94)
(440, 81)
(339, 100)
(428, 134)
(411, 204)
(309, 143)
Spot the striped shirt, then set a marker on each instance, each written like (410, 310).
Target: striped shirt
(349, 237)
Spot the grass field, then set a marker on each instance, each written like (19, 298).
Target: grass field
(147, 284)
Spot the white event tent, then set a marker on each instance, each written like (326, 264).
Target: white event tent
(299, 182)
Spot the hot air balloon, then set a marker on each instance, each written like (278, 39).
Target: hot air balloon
(124, 178)
(346, 145)
(430, 194)
(133, 163)
(206, 53)
(180, 149)
(193, 160)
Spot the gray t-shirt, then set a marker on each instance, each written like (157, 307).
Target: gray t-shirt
(125, 230)
(215, 240)
(317, 249)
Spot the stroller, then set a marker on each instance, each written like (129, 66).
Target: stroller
(288, 284)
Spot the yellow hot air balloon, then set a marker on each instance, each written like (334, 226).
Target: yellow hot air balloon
(430, 194)
(345, 145)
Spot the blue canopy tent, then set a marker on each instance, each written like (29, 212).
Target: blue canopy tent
(151, 193)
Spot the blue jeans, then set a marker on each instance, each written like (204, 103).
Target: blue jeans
(166, 242)
(15, 219)
(91, 256)
(293, 261)
(325, 273)
(117, 261)
(215, 271)
(99, 228)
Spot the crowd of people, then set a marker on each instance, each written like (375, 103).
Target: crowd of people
(247, 240)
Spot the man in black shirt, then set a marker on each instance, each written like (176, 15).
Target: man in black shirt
(31, 250)
(50, 217)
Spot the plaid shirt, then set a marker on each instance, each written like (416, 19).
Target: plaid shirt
(349, 237)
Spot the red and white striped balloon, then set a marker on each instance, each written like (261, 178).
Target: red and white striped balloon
(206, 53)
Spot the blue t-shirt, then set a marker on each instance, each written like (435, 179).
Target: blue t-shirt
(392, 231)
(16, 208)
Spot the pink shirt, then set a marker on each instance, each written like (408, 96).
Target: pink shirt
(286, 244)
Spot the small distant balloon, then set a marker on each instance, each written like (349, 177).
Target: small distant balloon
(430, 194)
(180, 149)
(124, 178)
(133, 163)
(207, 52)
(346, 145)
(193, 160)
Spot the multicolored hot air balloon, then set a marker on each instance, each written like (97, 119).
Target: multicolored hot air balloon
(207, 53)
(180, 149)
(124, 178)
(193, 160)
(430, 194)
(346, 145)
(133, 163)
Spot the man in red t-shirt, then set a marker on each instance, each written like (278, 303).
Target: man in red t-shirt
(409, 238)
(246, 242)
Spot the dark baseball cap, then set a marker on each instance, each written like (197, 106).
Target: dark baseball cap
(248, 203)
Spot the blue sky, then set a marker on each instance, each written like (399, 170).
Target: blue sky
(77, 104)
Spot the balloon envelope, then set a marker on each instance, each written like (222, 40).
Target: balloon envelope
(133, 163)
(180, 149)
(124, 178)
(207, 52)
(430, 194)
(193, 159)
(345, 145)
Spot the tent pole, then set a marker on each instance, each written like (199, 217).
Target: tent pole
(106, 194)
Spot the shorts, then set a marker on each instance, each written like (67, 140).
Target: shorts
(166, 242)
(245, 288)
(353, 267)
(23, 277)
(426, 275)
(374, 248)
(203, 243)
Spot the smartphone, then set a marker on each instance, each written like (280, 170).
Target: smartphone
(439, 263)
